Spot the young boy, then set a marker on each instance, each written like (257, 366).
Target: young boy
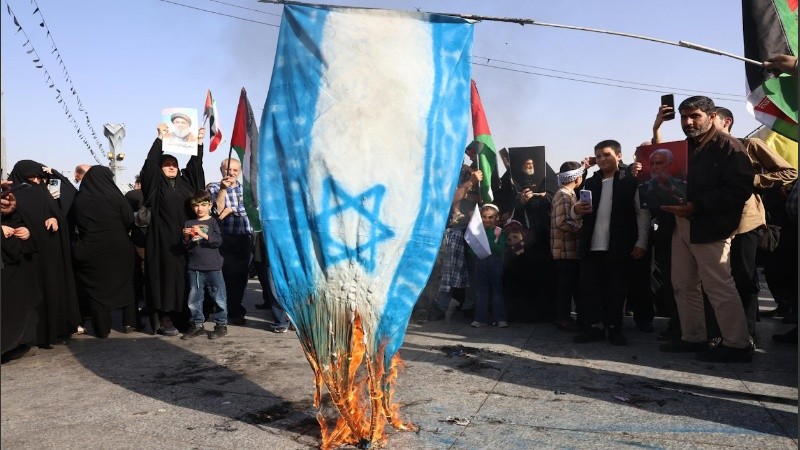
(564, 236)
(487, 273)
(203, 238)
(614, 233)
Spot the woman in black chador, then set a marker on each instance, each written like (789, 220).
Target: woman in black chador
(19, 296)
(103, 252)
(59, 315)
(166, 190)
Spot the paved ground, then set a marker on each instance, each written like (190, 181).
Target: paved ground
(519, 388)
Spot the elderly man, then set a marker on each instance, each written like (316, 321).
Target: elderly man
(80, 171)
(720, 180)
(237, 242)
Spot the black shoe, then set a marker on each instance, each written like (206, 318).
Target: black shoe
(681, 346)
(434, 313)
(264, 305)
(237, 321)
(590, 334)
(786, 338)
(669, 335)
(197, 330)
(616, 337)
(724, 354)
(645, 327)
(219, 331)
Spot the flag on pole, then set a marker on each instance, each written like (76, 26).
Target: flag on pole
(769, 28)
(356, 196)
(210, 112)
(489, 161)
(475, 235)
(244, 141)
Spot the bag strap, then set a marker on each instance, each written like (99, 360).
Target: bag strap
(149, 197)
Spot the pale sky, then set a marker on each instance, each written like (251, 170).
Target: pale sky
(128, 60)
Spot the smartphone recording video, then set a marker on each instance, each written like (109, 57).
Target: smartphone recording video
(668, 100)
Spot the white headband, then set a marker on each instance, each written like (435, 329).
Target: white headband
(569, 176)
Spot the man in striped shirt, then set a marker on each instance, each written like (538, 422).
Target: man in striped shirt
(237, 241)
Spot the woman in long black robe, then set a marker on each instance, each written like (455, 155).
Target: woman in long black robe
(59, 315)
(167, 193)
(103, 252)
(19, 296)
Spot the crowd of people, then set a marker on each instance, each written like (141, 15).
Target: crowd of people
(168, 254)
(595, 247)
(175, 251)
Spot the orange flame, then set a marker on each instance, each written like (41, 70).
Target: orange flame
(364, 403)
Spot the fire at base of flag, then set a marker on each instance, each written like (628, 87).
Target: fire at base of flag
(351, 244)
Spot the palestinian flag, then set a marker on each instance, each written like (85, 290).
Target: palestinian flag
(210, 112)
(769, 28)
(244, 141)
(489, 161)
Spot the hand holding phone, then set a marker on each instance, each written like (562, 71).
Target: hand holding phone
(586, 196)
(669, 101)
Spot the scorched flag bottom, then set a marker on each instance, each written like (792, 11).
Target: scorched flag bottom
(363, 133)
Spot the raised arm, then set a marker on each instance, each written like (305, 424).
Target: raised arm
(151, 172)
(193, 174)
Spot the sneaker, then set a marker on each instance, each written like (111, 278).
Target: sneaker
(262, 305)
(502, 324)
(168, 331)
(724, 354)
(278, 328)
(681, 346)
(477, 324)
(590, 334)
(196, 330)
(80, 330)
(219, 331)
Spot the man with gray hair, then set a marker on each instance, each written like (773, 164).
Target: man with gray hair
(237, 240)
(80, 171)
(719, 181)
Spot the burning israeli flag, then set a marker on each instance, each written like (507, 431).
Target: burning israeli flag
(363, 133)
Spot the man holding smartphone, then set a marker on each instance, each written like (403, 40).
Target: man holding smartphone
(614, 233)
(719, 181)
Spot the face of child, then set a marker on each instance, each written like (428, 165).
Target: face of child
(514, 238)
(202, 209)
(489, 218)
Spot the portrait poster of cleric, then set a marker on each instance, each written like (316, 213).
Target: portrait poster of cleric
(182, 134)
(663, 174)
(528, 168)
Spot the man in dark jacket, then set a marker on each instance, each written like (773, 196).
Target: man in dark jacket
(719, 181)
(614, 233)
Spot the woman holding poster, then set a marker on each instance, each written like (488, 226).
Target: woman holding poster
(166, 190)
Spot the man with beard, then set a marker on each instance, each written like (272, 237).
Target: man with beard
(719, 181)
(181, 131)
(662, 189)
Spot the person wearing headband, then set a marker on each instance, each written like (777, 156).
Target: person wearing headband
(564, 234)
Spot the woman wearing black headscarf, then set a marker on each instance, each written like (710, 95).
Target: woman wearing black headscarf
(167, 190)
(59, 316)
(19, 296)
(103, 252)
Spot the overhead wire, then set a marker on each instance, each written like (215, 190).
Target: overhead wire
(738, 98)
(221, 14)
